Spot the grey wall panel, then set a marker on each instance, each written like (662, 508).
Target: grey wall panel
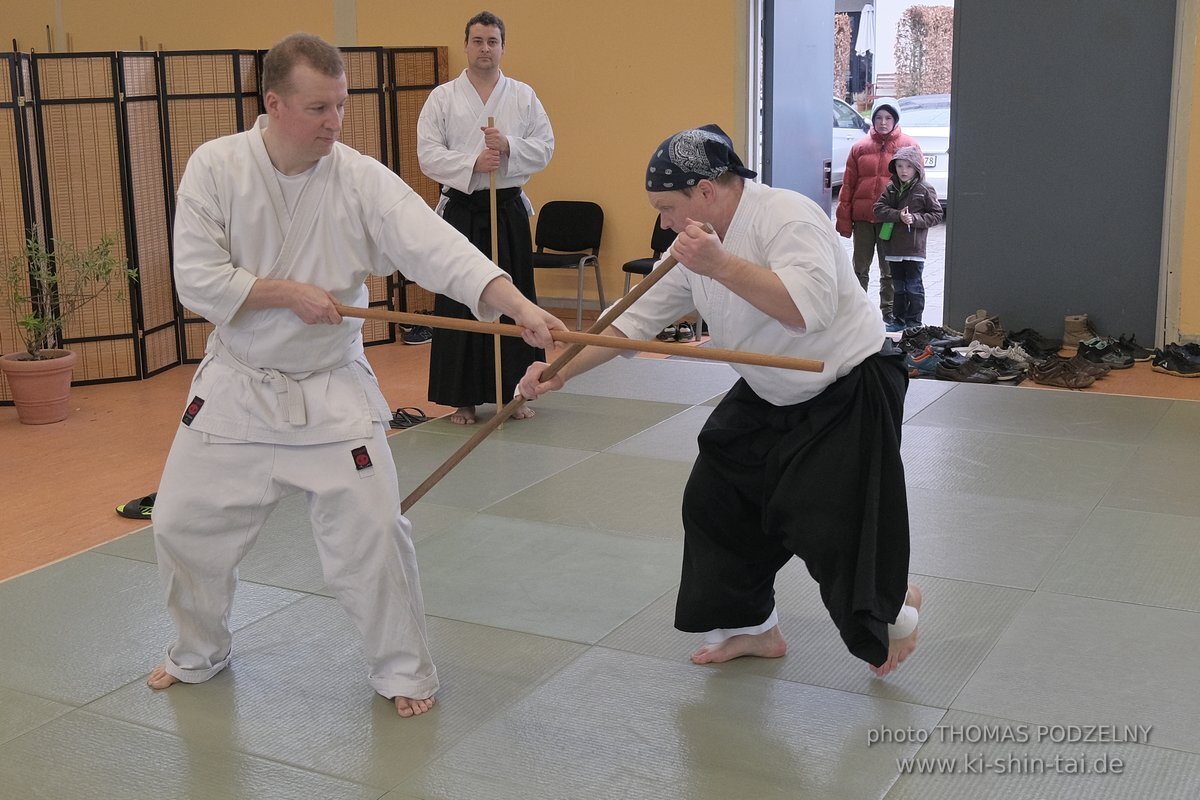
(1060, 120)
(797, 87)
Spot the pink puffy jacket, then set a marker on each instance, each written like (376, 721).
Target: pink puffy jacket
(867, 176)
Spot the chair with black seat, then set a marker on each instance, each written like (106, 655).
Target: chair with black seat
(570, 228)
(660, 240)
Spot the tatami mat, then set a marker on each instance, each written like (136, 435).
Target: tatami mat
(619, 725)
(958, 761)
(1053, 534)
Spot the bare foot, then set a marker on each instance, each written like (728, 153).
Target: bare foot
(160, 678)
(900, 649)
(408, 707)
(464, 416)
(524, 412)
(768, 644)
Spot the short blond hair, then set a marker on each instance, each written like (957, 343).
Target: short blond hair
(299, 48)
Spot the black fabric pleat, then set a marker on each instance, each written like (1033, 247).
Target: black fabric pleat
(821, 480)
(461, 365)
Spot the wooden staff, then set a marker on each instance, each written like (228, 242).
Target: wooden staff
(495, 260)
(581, 339)
(550, 371)
(577, 344)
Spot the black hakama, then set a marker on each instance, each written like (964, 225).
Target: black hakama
(822, 480)
(461, 365)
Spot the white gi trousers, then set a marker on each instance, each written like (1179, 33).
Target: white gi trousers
(213, 499)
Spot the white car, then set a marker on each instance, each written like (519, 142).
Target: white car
(848, 128)
(926, 118)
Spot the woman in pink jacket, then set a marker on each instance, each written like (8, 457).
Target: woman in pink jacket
(866, 177)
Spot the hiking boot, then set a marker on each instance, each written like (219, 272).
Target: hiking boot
(1104, 351)
(969, 325)
(990, 332)
(1077, 328)
(1058, 372)
(1172, 362)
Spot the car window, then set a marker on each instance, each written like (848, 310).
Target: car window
(846, 117)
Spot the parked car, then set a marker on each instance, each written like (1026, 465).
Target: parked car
(926, 118)
(848, 128)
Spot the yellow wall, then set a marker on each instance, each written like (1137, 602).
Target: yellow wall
(613, 76)
(1189, 254)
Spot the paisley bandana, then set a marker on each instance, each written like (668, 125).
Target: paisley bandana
(691, 156)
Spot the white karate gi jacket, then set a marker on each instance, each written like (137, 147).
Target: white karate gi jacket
(267, 376)
(449, 138)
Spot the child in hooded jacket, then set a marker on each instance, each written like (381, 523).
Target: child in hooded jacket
(911, 206)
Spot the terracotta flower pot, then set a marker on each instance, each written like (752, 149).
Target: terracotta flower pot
(40, 389)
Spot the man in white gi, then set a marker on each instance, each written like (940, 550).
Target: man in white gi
(790, 463)
(274, 226)
(457, 148)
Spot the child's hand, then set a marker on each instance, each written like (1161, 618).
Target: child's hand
(906, 216)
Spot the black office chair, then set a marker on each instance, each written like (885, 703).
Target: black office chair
(660, 240)
(572, 229)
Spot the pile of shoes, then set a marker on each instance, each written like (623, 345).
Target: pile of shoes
(1180, 360)
(983, 353)
(986, 353)
(1095, 356)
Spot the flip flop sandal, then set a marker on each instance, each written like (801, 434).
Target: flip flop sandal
(667, 334)
(140, 508)
(407, 417)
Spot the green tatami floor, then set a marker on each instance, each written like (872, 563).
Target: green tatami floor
(1056, 536)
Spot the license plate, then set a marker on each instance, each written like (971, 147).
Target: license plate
(931, 161)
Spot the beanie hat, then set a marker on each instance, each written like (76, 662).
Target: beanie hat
(891, 109)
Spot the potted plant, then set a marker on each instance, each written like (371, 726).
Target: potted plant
(44, 287)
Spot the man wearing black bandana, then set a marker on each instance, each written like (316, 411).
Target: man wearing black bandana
(790, 463)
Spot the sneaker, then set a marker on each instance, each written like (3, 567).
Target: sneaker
(1170, 361)
(417, 334)
(1081, 365)
(684, 332)
(1006, 371)
(895, 327)
(1188, 352)
(969, 371)
(923, 364)
(667, 334)
(1104, 351)
(1058, 372)
(1015, 353)
(1131, 348)
(1034, 343)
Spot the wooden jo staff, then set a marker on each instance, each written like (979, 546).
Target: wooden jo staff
(495, 260)
(578, 341)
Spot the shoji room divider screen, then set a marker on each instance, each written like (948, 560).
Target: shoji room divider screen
(95, 143)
